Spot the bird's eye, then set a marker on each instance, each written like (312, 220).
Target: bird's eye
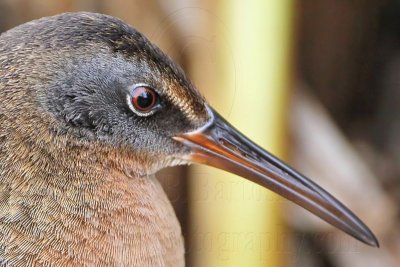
(144, 100)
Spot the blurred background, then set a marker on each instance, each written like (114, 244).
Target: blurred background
(316, 82)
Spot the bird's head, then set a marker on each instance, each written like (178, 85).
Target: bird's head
(103, 85)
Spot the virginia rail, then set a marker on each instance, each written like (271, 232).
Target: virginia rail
(89, 111)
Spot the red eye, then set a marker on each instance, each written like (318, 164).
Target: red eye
(144, 99)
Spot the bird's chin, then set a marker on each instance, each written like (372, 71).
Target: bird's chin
(167, 162)
(176, 161)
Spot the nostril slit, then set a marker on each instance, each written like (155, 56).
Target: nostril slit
(232, 147)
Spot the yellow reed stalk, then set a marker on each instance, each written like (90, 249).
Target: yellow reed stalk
(236, 222)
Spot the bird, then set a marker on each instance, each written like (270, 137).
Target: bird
(90, 110)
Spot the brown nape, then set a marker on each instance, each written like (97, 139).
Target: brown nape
(76, 165)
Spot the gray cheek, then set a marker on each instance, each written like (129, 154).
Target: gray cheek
(88, 98)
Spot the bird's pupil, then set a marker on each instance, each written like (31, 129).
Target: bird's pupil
(145, 100)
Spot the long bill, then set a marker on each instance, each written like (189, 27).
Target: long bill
(220, 145)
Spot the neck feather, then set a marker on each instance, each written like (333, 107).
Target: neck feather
(80, 207)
